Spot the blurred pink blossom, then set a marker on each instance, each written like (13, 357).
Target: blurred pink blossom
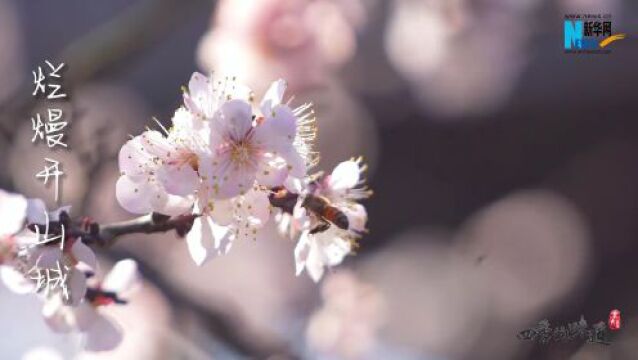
(469, 56)
(298, 40)
(346, 325)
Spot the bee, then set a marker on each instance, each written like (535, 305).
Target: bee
(326, 212)
(281, 198)
(319, 206)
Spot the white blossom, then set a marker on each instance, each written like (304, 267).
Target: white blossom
(219, 140)
(246, 148)
(159, 171)
(342, 188)
(100, 333)
(249, 151)
(224, 221)
(13, 210)
(314, 252)
(33, 252)
(13, 213)
(205, 95)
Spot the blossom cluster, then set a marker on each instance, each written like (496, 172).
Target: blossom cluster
(224, 159)
(60, 269)
(226, 166)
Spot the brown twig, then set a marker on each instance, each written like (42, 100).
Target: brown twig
(93, 233)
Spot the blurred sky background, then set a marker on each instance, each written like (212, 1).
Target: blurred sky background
(505, 172)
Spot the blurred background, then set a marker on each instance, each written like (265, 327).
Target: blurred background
(505, 173)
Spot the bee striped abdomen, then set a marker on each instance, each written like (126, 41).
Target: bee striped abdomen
(336, 217)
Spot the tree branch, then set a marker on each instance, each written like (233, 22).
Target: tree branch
(105, 235)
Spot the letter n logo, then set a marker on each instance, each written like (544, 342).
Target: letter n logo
(573, 34)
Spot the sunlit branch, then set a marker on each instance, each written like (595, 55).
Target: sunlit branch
(105, 235)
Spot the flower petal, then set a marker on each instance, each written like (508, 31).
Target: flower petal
(176, 205)
(200, 241)
(179, 180)
(335, 251)
(85, 315)
(76, 286)
(56, 315)
(84, 254)
(42, 353)
(132, 159)
(222, 235)
(138, 197)
(122, 277)
(156, 144)
(232, 121)
(296, 164)
(344, 176)
(222, 211)
(13, 211)
(295, 184)
(277, 132)
(257, 206)
(226, 180)
(357, 217)
(103, 335)
(271, 173)
(36, 212)
(273, 97)
(199, 95)
(314, 263)
(15, 281)
(238, 91)
(183, 120)
(302, 249)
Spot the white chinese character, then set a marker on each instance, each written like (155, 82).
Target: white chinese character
(37, 81)
(39, 277)
(41, 85)
(54, 93)
(59, 279)
(45, 237)
(52, 170)
(55, 139)
(50, 127)
(50, 279)
(54, 114)
(37, 125)
(54, 70)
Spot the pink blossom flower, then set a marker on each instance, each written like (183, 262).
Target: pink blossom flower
(317, 250)
(347, 324)
(245, 148)
(300, 40)
(225, 221)
(314, 252)
(13, 212)
(35, 251)
(159, 172)
(205, 95)
(100, 333)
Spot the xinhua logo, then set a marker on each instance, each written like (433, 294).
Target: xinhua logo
(589, 33)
